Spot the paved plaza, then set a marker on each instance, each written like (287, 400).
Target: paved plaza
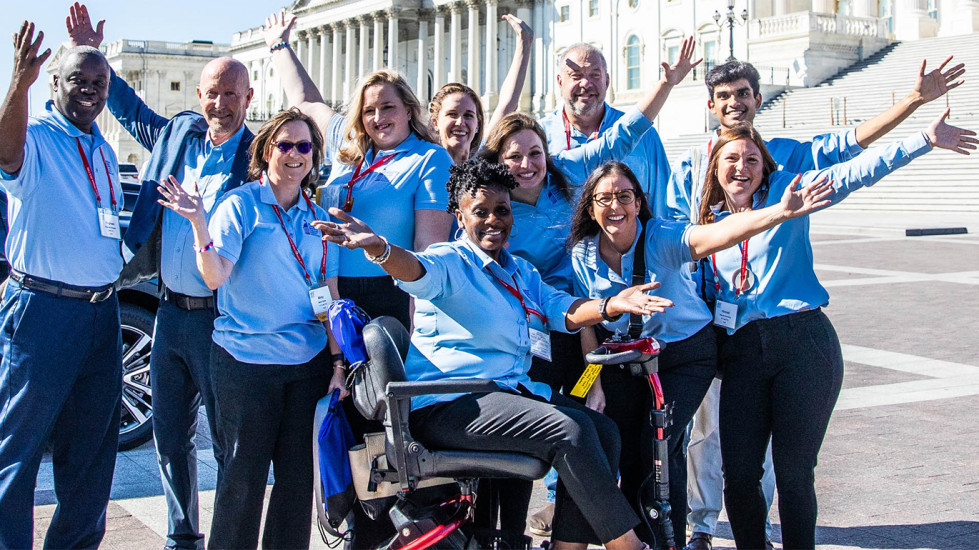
(900, 465)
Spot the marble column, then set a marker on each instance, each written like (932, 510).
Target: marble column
(491, 84)
(326, 53)
(393, 38)
(455, 44)
(300, 48)
(472, 47)
(378, 63)
(781, 7)
(336, 76)
(864, 8)
(911, 21)
(421, 85)
(364, 49)
(312, 54)
(349, 68)
(824, 6)
(438, 57)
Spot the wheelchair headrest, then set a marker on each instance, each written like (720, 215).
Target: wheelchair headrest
(386, 341)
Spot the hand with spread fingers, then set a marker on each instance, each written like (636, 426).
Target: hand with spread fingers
(80, 30)
(27, 61)
(945, 136)
(278, 27)
(798, 201)
(675, 74)
(350, 232)
(635, 300)
(938, 82)
(187, 205)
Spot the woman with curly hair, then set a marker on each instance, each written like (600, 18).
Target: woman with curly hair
(450, 281)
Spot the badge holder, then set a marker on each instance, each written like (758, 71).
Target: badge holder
(109, 223)
(321, 298)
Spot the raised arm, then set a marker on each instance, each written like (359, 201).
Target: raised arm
(517, 75)
(929, 86)
(13, 112)
(214, 268)
(705, 240)
(300, 90)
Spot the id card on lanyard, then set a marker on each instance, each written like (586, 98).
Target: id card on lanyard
(540, 340)
(726, 313)
(348, 203)
(108, 217)
(320, 296)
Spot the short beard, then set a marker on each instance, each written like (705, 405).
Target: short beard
(585, 111)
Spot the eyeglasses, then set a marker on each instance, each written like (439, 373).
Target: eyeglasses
(303, 147)
(626, 196)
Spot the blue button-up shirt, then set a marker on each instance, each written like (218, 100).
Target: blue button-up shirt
(387, 198)
(51, 208)
(683, 194)
(468, 325)
(667, 257)
(265, 313)
(647, 160)
(781, 257)
(209, 166)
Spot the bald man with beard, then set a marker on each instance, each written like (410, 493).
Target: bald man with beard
(206, 154)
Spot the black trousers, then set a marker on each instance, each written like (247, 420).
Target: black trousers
(581, 444)
(376, 296)
(265, 415)
(782, 377)
(686, 369)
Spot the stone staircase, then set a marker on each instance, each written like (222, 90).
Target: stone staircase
(941, 181)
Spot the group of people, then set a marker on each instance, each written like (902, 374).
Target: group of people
(508, 246)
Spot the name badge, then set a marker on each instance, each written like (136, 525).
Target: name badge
(540, 344)
(725, 314)
(109, 224)
(321, 298)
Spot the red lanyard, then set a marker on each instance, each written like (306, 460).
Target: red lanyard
(516, 294)
(292, 244)
(744, 269)
(348, 203)
(91, 176)
(567, 130)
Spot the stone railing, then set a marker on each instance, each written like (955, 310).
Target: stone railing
(809, 22)
(158, 47)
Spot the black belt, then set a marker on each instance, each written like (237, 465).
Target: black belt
(188, 303)
(93, 294)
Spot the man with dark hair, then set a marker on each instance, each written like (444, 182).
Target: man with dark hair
(60, 376)
(206, 153)
(734, 97)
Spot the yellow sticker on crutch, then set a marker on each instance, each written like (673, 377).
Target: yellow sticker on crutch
(587, 379)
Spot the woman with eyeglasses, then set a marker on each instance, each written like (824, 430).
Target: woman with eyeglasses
(271, 354)
(611, 220)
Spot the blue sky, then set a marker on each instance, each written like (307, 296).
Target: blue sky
(173, 20)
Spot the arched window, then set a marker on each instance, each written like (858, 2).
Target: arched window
(632, 62)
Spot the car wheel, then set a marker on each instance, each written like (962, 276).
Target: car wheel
(136, 419)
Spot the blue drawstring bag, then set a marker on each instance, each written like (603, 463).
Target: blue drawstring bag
(333, 442)
(347, 324)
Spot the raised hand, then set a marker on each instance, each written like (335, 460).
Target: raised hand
(80, 31)
(27, 62)
(684, 64)
(351, 233)
(936, 83)
(635, 300)
(277, 27)
(798, 201)
(945, 136)
(524, 33)
(185, 204)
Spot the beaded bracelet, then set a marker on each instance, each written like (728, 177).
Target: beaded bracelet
(383, 257)
(206, 247)
(278, 46)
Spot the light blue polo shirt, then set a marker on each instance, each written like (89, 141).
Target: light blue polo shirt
(387, 198)
(781, 257)
(210, 166)
(265, 316)
(683, 193)
(54, 221)
(667, 257)
(647, 159)
(467, 325)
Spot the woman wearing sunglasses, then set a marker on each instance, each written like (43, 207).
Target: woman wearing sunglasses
(610, 221)
(271, 356)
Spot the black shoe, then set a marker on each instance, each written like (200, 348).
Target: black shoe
(699, 541)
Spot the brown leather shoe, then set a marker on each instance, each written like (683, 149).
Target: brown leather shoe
(699, 541)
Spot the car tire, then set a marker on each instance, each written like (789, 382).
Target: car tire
(136, 416)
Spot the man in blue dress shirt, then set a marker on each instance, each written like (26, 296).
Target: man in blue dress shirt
(60, 376)
(208, 152)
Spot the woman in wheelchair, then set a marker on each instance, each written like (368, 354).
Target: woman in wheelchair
(610, 222)
(482, 313)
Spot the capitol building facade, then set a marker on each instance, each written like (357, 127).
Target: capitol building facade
(794, 43)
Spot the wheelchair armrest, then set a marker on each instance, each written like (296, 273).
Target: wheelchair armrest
(400, 390)
(604, 356)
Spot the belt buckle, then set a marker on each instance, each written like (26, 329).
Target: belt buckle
(101, 295)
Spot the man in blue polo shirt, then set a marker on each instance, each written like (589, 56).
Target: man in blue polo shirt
(584, 80)
(60, 376)
(208, 152)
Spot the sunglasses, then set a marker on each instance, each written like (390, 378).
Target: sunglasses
(605, 199)
(303, 147)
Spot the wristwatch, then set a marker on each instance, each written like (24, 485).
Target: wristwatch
(602, 310)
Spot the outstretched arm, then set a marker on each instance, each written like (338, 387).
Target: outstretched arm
(517, 75)
(13, 112)
(928, 87)
(585, 313)
(296, 82)
(705, 240)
